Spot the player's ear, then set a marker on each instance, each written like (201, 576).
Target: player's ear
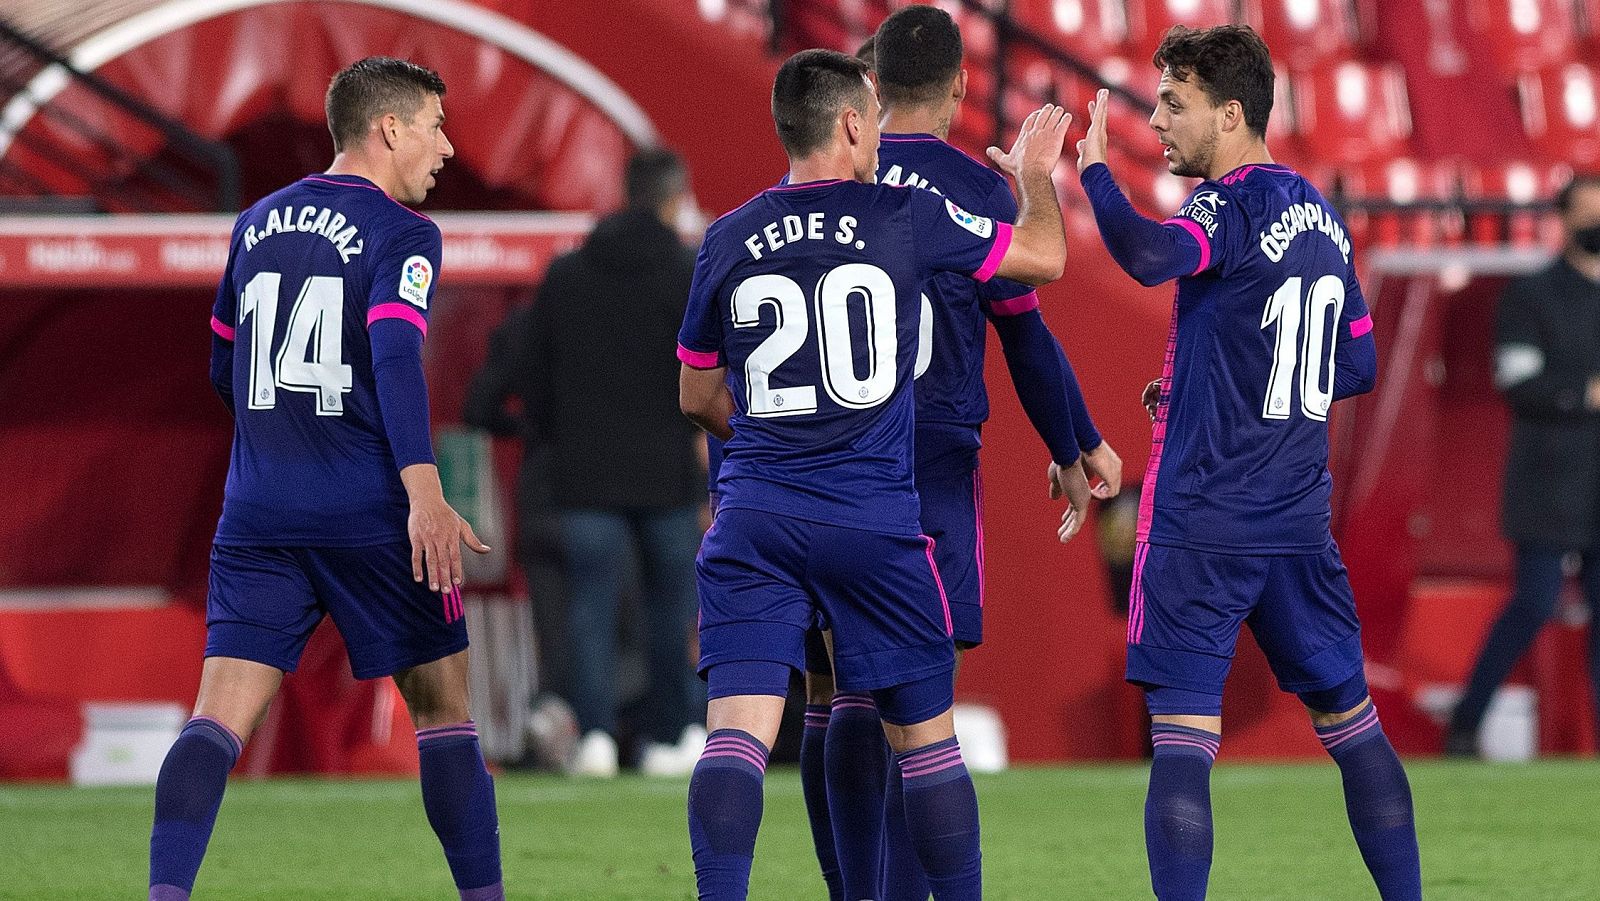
(852, 125)
(958, 90)
(389, 127)
(1232, 115)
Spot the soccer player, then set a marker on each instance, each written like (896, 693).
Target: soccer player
(333, 503)
(1269, 328)
(856, 816)
(798, 348)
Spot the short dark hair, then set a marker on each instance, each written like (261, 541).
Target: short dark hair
(1576, 183)
(918, 53)
(372, 87)
(654, 176)
(868, 52)
(811, 89)
(1231, 62)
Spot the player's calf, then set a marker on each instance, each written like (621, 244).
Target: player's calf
(813, 760)
(725, 792)
(941, 805)
(1377, 795)
(1185, 733)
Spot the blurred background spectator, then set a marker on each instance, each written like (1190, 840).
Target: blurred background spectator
(621, 466)
(1547, 364)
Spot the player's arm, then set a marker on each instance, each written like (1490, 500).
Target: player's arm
(1355, 353)
(703, 397)
(397, 323)
(1529, 386)
(1150, 251)
(1035, 249)
(223, 317)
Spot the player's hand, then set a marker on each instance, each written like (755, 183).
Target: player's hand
(1092, 149)
(437, 533)
(1038, 145)
(1069, 482)
(1151, 397)
(1104, 464)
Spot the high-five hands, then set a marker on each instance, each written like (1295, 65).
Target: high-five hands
(1038, 145)
(1092, 149)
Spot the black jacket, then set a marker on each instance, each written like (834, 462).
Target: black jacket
(592, 361)
(1547, 347)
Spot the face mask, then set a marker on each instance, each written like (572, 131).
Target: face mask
(1588, 239)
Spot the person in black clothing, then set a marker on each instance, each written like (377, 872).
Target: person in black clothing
(611, 457)
(1547, 363)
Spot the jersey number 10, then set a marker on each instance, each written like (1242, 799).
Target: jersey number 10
(1312, 347)
(312, 356)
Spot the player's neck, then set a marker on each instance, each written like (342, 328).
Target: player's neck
(351, 164)
(914, 120)
(1253, 153)
(830, 166)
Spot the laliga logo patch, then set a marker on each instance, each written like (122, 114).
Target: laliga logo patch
(979, 225)
(415, 278)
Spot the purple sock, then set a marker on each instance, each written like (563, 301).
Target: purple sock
(857, 766)
(458, 795)
(188, 793)
(903, 879)
(725, 813)
(1177, 812)
(942, 819)
(813, 784)
(1378, 799)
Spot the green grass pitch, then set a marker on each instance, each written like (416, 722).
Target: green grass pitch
(1490, 832)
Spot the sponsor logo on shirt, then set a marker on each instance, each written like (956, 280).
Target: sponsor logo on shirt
(415, 277)
(981, 226)
(1204, 208)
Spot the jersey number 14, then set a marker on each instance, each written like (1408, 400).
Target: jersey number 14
(1311, 347)
(312, 357)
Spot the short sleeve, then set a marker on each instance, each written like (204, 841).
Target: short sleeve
(1213, 218)
(700, 338)
(404, 275)
(225, 309)
(947, 238)
(1000, 296)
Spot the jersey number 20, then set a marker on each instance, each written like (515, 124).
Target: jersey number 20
(1312, 347)
(830, 307)
(312, 356)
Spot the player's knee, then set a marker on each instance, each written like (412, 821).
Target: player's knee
(1331, 706)
(917, 713)
(819, 688)
(1168, 701)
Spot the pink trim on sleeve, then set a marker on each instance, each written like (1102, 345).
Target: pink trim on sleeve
(697, 359)
(1016, 306)
(997, 252)
(398, 311)
(225, 332)
(1193, 228)
(1361, 326)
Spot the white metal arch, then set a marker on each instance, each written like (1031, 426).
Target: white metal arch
(486, 25)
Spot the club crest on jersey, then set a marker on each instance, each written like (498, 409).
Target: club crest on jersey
(1205, 209)
(981, 226)
(415, 278)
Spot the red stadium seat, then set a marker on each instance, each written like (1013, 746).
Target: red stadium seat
(1088, 29)
(1353, 112)
(1305, 32)
(1518, 182)
(1561, 112)
(1526, 34)
(1149, 20)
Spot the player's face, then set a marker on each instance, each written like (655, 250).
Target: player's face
(864, 153)
(422, 151)
(1187, 125)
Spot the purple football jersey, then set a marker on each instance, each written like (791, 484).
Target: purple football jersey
(810, 295)
(1239, 460)
(309, 268)
(950, 388)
